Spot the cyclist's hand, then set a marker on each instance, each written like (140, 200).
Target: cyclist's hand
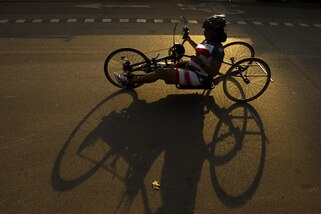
(186, 37)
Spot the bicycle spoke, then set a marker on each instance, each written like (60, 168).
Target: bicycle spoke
(247, 80)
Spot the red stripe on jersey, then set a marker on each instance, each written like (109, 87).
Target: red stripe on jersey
(187, 78)
(203, 52)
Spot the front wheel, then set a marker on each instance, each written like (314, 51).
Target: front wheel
(246, 80)
(126, 61)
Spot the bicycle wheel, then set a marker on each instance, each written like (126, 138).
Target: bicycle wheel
(126, 61)
(246, 80)
(234, 52)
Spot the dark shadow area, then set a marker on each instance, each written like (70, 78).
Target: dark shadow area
(172, 126)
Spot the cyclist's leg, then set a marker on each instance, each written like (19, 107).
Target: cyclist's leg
(166, 74)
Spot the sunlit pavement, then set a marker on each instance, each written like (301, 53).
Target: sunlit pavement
(72, 143)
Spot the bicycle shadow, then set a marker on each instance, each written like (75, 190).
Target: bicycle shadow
(127, 143)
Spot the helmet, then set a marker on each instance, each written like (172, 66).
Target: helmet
(215, 22)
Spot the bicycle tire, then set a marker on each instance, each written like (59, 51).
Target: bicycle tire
(234, 52)
(131, 55)
(246, 83)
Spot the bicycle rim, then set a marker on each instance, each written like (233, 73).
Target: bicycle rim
(115, 62)
(247, 80)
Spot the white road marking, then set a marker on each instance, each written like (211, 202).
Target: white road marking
(89, 20)
(37, 20)
(174, 21)
(257, 23)
(304, 25)
(141, 20)
(288, 24)
(106, 20)
(273, 24)
(192, 21)
(126, 6)
(72, 20)
(20, 21)
(54, 20)
(241, 23)
(158, 21)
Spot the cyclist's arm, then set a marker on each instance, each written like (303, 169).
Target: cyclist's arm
(191, 42)
(212, 70)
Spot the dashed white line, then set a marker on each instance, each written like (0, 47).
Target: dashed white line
(20, 21)
(126, 6)
(158, 21)
(257, 23)
(273, 24)
(192, 21)
(241, 22)
(54, 20)
(71, 20)
(123, 20)
(288, 24)
(89, 20)
(37, 20)
(304, 25)
(174, 21)
(141, 20)
(106, 20)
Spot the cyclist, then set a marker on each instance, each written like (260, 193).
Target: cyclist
(202, 67)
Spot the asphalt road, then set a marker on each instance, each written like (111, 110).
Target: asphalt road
(71, 142)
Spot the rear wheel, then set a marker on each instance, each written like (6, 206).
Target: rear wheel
(126, 61)
(246, 80)
(234, 52)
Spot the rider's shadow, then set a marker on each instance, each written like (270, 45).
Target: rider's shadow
(140, 133)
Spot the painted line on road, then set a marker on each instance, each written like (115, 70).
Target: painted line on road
(151, 20)
(124, 20)
(37, 20)
(54, 20)
(288, 24)
(192, 21)
(141, 20)
(241, 22)
(125, 6)
(257, 23)
(304, 25)
(106, 20)
(89, 20)
(273, 24)
(72, 20)
(20, 21)
(158, 21)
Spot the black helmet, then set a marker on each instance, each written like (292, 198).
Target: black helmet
(215, 22)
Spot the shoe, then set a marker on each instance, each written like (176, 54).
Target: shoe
(122, 80)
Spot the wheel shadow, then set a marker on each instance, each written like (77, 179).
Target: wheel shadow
(127, 142)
